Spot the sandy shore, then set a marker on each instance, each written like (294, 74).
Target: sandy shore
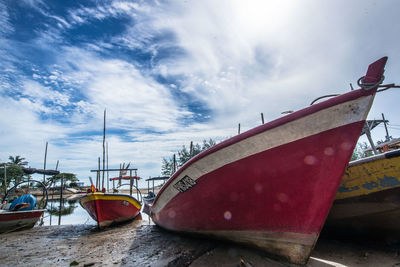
(140, 244)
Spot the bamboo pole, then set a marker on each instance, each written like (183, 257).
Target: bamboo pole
(44, 165)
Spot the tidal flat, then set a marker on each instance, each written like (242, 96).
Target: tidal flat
(140, 243)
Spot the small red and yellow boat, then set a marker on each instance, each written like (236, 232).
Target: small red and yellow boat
(112, 208)
(108, 208)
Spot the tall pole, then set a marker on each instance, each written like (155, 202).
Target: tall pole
(98, 176)
(104, 140)
(174, 165)
(5, 178)
(52, 195)
(239, 128)
(262, 118)
(387, 132)
(44, 166)
(108, 179)
(191, 149)
(61, 199)
(131, 182)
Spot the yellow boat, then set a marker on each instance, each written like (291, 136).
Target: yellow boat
(368, 199)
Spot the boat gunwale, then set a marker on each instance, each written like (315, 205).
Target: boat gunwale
(386, 155)
(95, 195)
(22, 211)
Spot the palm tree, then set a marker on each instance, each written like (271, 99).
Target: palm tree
(17, 160)
(14, 172)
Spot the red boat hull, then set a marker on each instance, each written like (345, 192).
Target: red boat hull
(107, 209)
(271, 187)
(17, 220)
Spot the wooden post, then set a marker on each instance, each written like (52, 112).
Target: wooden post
(191, 149)
(239, 128)
(174, 164)
(61, 199)
(384, 123)
(368, 134)
(137, 186)
(262, 118)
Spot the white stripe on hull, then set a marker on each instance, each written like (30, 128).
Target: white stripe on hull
(320, 121)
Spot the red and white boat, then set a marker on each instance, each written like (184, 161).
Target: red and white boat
(272, 186)
(11, 221)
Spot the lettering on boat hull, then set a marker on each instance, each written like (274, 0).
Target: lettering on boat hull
(185, 184)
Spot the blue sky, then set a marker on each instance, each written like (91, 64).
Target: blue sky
(171, 72)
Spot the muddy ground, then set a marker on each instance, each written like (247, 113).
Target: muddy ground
(140, 244)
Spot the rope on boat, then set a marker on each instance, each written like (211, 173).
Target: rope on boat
(315, 100)
(369, 86)
(387, 86)
(365, 86)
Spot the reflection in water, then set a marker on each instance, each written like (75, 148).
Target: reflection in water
(66, 209)
(58, 209)
(70, 213)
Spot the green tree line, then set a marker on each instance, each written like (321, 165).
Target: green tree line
(170, 165)
(14, 174)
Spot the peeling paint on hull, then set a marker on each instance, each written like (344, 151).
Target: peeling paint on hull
(371, 175)
(368, 198)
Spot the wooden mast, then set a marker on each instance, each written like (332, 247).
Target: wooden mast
(104, 140)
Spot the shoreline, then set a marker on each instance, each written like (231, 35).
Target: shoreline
(139, 243)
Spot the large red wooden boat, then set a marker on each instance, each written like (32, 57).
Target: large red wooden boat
(272, 186)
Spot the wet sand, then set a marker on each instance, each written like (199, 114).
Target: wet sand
(139, 244)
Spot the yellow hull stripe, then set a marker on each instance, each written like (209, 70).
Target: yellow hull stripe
(370, 177)
(101, 196)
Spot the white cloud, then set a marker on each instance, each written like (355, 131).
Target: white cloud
(239, 58)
